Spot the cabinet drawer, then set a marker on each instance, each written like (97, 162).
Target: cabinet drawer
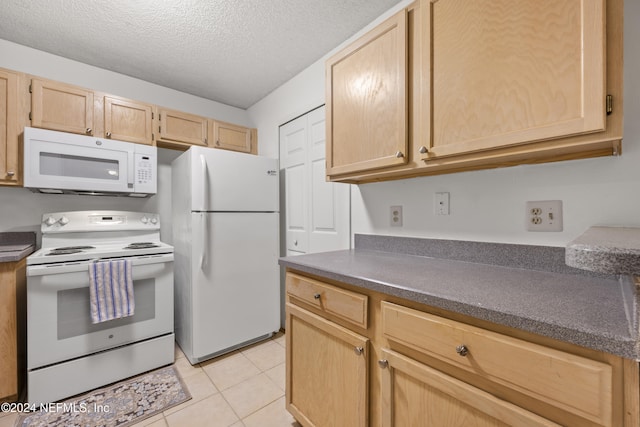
(346, 305)
(572, 383)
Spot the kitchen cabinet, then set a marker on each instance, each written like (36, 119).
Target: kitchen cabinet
(577, 390)
(73, 109)
(9, 128)
(12, 287)
(498, 84)
(181, 130)
(62, 107)
(327, 363)
(128, 120)
(366, 101)
(231, 137)
(428, 366)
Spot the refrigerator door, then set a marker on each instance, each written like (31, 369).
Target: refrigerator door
(227, 181)
(235, 286)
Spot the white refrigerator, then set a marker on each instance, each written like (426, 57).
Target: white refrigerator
(225, 237)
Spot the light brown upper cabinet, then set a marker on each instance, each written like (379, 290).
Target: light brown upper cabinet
(66, 108)
(128, 120)
(9, 147)
(499, 83)
(366, 101)
(181, 130)
(61, 107)
(231, 137)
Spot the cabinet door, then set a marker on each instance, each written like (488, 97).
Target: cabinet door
(179, 128)
(128, 120)
(416, 395)
(326, 371)
(61, 107)
(508, 72)
(9, 160)
(231, 137)
(367, 105)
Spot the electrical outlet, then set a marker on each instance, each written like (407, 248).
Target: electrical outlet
(545, 215)
(442, 203)
(395, 216)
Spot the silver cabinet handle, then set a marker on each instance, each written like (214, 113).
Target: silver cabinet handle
(108, 134)
(462, 350)
(423, 150)
(316, 296)
(88, 131)
(358, 350)
(384, 363)
(218, 143)
(399, 154)
(295, 243)
(10, 173)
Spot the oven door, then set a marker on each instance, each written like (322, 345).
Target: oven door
(79, 167)
(59, 324)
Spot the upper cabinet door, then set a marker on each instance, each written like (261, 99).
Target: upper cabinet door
(182, 128)
(366, 99)
(507, 72)
(231, 137)
(128, 120)
(9, 159)
(61, 107)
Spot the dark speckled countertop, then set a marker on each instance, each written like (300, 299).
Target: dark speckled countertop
(521, 286)
(16, 245)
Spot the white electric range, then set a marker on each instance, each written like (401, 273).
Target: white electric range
(67, 354)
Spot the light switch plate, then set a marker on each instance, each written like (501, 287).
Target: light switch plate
(442, 203)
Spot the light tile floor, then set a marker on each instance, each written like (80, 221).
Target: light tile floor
(243, 388)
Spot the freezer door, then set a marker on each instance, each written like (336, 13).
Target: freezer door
(227, 181)
(236, 288)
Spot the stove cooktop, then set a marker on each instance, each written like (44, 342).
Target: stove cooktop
(97, 251)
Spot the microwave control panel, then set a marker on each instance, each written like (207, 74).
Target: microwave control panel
(145, 173)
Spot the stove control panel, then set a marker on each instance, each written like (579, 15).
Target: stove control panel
(62, 222)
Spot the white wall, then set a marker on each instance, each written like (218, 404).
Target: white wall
(488, 205)
(21, 210)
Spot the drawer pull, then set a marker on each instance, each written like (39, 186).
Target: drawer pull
(462, 350)
(384, 363)
(316, 296)
(358, 350)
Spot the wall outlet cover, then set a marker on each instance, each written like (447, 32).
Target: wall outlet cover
(395, 216)
(544, 215)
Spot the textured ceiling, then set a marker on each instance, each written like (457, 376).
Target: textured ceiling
(231, 51)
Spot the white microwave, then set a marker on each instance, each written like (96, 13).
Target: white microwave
(58, 162)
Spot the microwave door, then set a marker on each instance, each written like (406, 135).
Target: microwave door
(76, 167)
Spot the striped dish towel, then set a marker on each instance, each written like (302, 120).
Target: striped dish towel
(110, 290)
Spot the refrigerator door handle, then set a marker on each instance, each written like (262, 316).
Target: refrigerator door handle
(205, 232)
(203, 181)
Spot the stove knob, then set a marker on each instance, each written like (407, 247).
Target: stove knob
(50, 221)
(64, 220)
(154, 220)
(144, 219)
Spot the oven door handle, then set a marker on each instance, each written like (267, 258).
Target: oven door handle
(74, 267)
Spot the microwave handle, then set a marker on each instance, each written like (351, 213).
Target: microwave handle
(131, 169)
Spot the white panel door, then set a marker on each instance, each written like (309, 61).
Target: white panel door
(317, 211)
(329, 203)
(293, 147)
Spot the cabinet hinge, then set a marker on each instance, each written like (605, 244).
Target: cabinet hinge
(30, 88)
(152, 115)
(160, 130)
(30, 116)
(609, 104)
(153, 136)
(206, 142)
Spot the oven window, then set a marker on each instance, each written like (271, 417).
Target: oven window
(74, 317)
(77, 166)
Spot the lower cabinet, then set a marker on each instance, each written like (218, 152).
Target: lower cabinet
(413, 394)
(12, 328)
(356, 357)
